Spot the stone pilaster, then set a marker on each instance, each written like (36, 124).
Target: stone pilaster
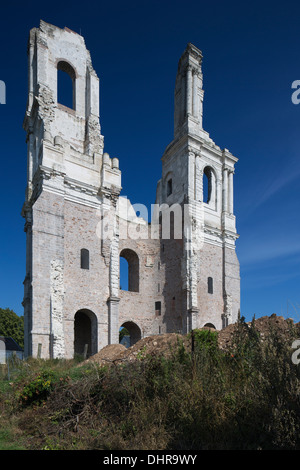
(113, 320)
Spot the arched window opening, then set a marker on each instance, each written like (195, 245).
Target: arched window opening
(132, 333)
(124, 271)
(169, 187)
(66, 85)
(85, 333)
(209, 325)
(84, 258)
(210, 287)
(129, 270)
(207, 184)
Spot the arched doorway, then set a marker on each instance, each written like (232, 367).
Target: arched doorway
(209, 325)
(85, 333)
(134, 333)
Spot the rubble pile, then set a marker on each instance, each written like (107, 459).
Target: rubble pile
(166, 344)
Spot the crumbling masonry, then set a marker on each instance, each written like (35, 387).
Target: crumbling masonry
(183, 271)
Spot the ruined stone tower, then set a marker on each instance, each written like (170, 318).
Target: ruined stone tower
(183, 272)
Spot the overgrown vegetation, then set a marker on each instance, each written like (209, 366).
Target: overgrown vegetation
(244, 398)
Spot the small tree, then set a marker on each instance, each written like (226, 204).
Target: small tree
(12, 325)
(123, 332)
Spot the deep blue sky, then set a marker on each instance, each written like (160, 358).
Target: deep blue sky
(251, 57)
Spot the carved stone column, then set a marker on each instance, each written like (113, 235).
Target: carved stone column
(198, 179)
(56, 330)
(230, 192)
(225, 189)
(201, 108)
(113, 300)
(195, 94)
(113, 320)
(227, 315)
(189, 90)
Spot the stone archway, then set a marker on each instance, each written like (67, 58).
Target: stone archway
(209, 325)
(134, 332)
(85, 332)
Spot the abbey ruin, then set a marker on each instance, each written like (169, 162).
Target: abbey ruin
(183, 272)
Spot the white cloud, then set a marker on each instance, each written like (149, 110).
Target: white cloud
(261, 251)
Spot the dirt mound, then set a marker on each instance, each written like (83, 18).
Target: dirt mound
(166, 343)
(283, 326)
(265, 326)
(108, 354)
(157, 344)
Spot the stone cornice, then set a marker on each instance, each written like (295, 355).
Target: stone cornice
(213, 231)
(42, 181)
(194, 51)
(221, 234)
(230, 235)
(81, 187)
(48, 173)
(229, 157)
(195, 143)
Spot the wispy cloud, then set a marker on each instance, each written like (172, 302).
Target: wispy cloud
(276, 184)
(267, 250)
(271, 183)
(263, 280)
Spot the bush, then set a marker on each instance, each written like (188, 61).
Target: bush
(12, 325)
(37, 390)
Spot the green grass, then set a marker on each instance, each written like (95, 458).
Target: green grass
(8, 440)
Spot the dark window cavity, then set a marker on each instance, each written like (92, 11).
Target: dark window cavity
(169, 187)
(84, 259)
(207, 184)
(210, 287)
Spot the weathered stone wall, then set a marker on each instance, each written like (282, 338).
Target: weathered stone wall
(84, 288)
(47, 248)
(232, 283)
(139, 307)
(210, 305)
(159, 281)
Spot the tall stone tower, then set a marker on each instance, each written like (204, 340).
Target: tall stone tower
(198, 175)
(68, 180)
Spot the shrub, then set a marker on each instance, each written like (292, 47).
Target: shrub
(38, 388)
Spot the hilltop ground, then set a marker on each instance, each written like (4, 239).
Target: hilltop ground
(238, 390)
